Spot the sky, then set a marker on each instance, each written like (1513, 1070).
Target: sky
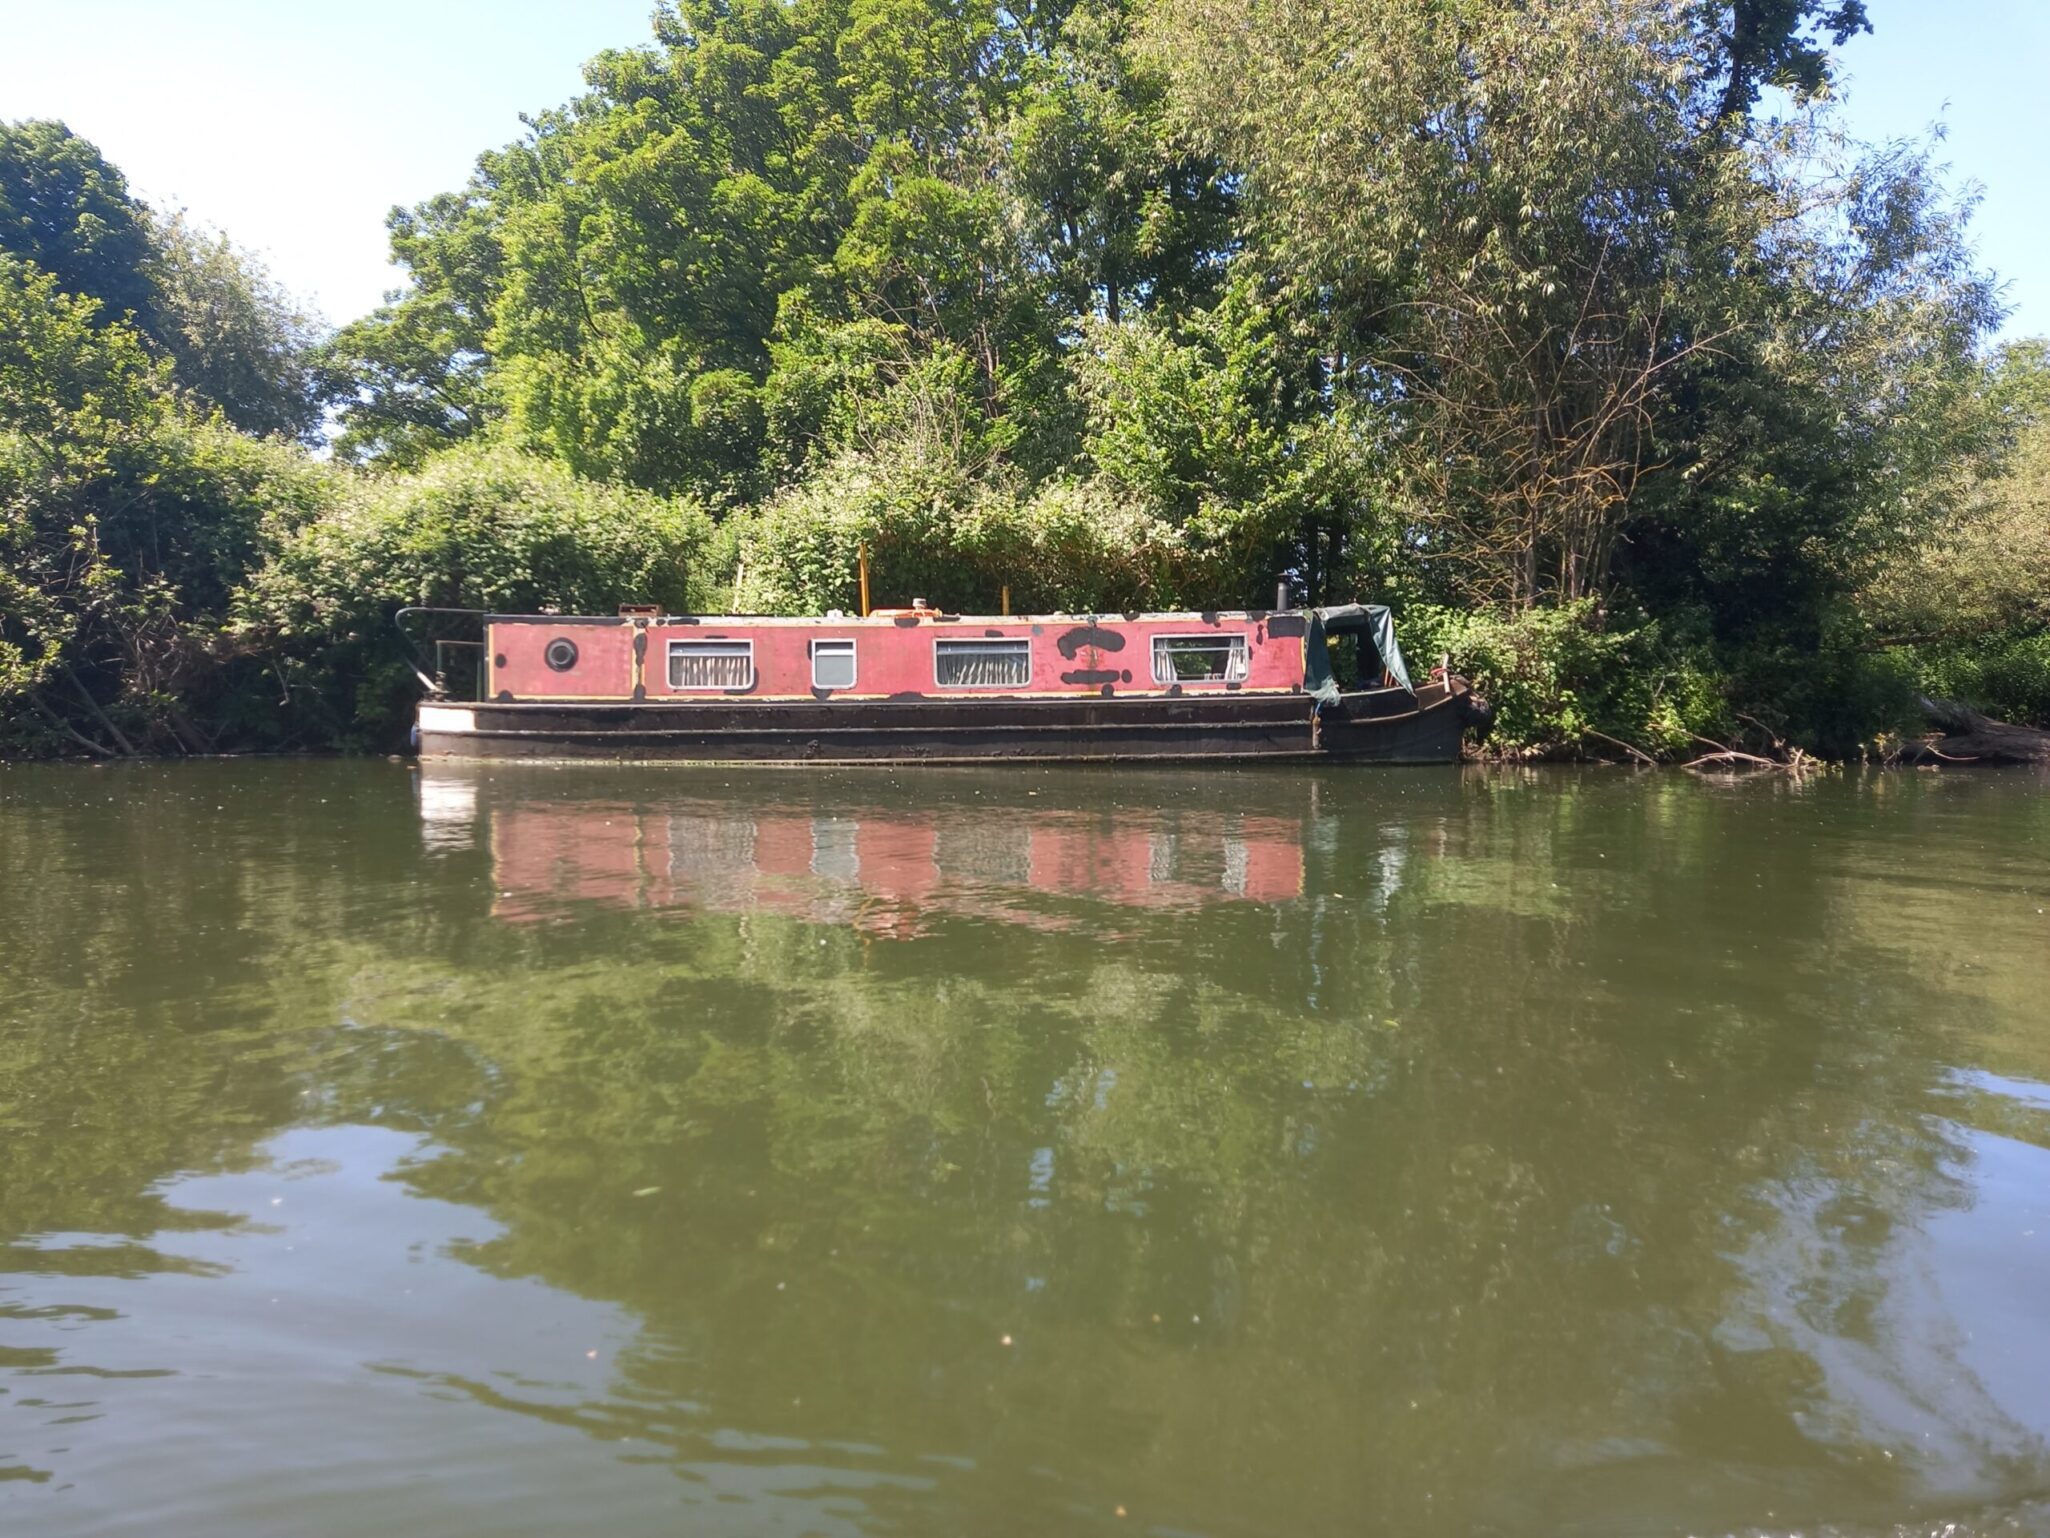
(295, 126)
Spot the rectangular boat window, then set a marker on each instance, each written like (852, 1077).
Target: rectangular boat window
(711, 664)
(1196, 659)
(982, 664)
(832, 664)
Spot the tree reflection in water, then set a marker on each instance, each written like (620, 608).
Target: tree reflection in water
(1372, 1151)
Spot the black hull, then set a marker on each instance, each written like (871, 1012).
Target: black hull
(1385, 726)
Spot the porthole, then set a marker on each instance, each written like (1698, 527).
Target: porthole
(561, 654)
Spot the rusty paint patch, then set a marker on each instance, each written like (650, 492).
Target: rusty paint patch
(1104, 676)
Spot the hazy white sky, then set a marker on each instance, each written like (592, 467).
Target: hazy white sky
(295, 126)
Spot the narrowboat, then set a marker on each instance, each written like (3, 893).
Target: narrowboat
(922, 686)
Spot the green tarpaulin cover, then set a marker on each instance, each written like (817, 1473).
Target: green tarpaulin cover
(1370, 620)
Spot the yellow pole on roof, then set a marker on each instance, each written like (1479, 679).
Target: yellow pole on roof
(1004, 604)
(862, 552)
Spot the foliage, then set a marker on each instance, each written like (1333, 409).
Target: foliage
(1784, 43)
(958, 542)
(238, 341)
(1967, 604)
(1543, 352)
(1571, 680)
(649, 285)
(1985, 565)
(479, 528)
(65, 209)
(126, 521)
(2005, 673)
(1214, 424)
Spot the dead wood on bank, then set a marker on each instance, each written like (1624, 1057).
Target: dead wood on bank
(1969, 737)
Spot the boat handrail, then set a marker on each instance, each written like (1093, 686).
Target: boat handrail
(432, 681)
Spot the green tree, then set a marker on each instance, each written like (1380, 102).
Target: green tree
(1216, 422)
(1114, 213)
(126, 521)
(410, 377)
(64, 208)
(238, 341)
(1527, 340)
(761, 189)
(1967, 604)
(1784, 43)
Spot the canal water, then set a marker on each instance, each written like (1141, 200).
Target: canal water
(532, 1151)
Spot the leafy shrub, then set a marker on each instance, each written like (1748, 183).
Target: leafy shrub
(2007, 675)
(1563, 681)
(934, 531)
(478, 528)
(127, 518)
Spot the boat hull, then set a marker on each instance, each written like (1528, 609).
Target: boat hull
(1386, 726)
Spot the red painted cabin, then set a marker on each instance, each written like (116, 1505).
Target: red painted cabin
(897, 655)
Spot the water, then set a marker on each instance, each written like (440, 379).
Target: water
(649, 1152)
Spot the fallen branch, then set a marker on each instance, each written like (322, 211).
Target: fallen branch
(1732, 756)
(1970, 737)
(65, 726)
(1637, 753)
(85, 694)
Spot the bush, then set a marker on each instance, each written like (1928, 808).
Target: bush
(1563, 679)
(2007, 675)
(127, 520)
(480, 527)
(936, 532)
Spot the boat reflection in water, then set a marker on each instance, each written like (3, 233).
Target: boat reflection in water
(840, 852)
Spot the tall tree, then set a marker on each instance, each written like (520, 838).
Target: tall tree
(237, 339)
(623, 285)
(410, 377)
(1525, 250)
(1783, 43)
(64, 208)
